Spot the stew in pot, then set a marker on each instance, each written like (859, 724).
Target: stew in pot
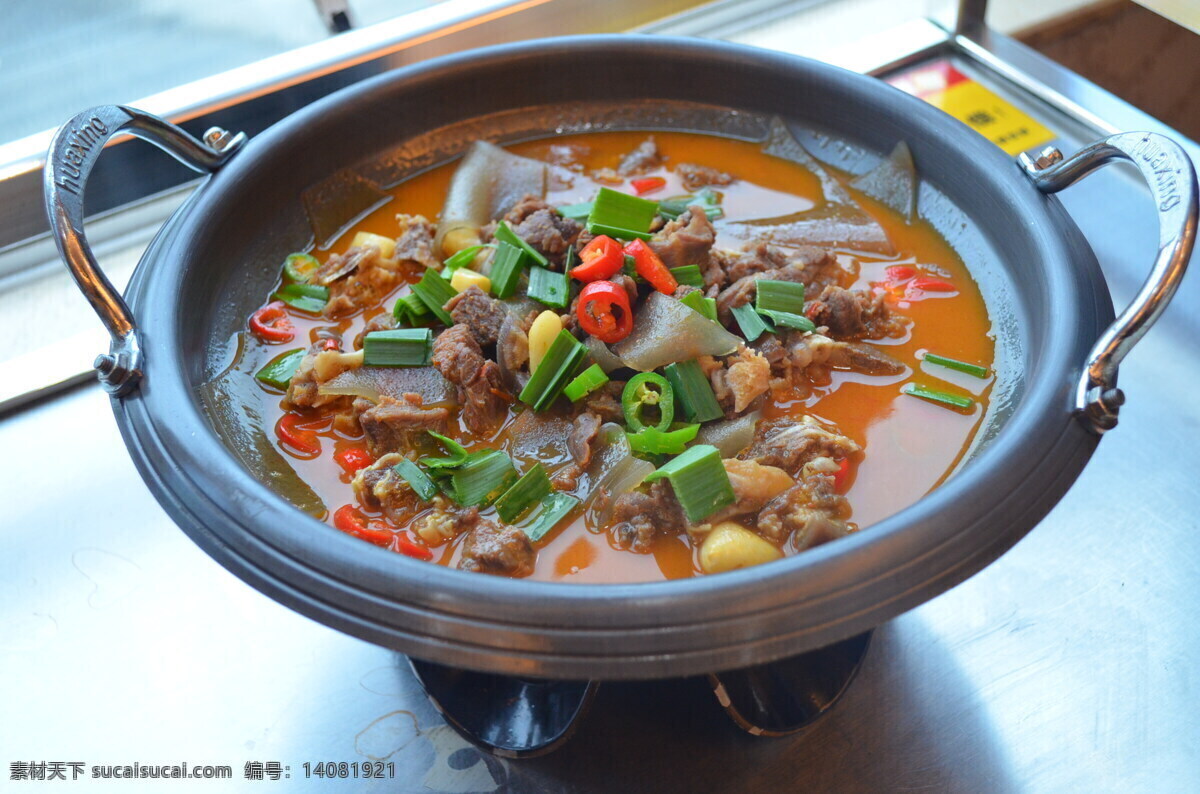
(624, 356)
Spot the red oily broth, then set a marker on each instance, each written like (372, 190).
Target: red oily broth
(909, 445)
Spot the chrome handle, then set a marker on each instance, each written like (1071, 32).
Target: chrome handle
(72, 155)
(1172, 181)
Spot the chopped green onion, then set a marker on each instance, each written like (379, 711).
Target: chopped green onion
(278, 371)
(585, 383)
(621, 215)
(507, 265)
(505, 234)
(461, 258)
(554, 509)
(779, 296)
(697, 302)
(699, 480)
(790, 320)
(693, 391)
(411, 473)
(638, 394)
(549, 288)
(576, 212)
(652, 441)
(300, 267)
(675, 206)
(751, 322)
(557, 368)
(305, 297)
(689, 275)
(961, 366)
(407, 347)
(410, 309)
(933, 395)
(533, 486)
(457, 456)
(434, 291)
(482, 478)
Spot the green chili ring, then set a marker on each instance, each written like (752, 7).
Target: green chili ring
(639, 393)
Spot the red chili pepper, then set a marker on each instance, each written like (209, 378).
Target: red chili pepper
(648, 184)
(601, 258)
(899, 273)
(604, 311)
(272, 324)
(329, 343)
(407, 547)
(930, 284)
(839, 476)
(352, 459)
(349, 520)
(300, 439)
(651, 268)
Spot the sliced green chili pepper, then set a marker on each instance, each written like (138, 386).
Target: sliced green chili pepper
(643, 389)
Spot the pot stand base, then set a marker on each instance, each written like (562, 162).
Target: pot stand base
(526, 717)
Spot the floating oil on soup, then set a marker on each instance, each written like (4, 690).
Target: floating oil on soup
(624, 356)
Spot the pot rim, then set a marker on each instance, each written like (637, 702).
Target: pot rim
(166, 412)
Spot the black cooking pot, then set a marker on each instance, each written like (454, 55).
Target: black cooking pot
(215, 259)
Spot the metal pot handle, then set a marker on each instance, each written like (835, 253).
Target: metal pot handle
(1172, 180)
(72, 155)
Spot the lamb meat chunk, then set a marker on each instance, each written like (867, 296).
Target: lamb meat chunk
(458, 357)
(391, 424)
(584, 430)
(482, 314)
(415, 243)
(644, 158)
(445, 522)
(854, 314)
(688, 240)
(748, 376)
(810, 512)
(810, 266)
(639, 517)
(384, 321)
(789, 444)
(754, 485)
(864, 357)
(539, 224)
(605, 402)
(796, 354)
(697, 176)
(379, 487)
(504, 551)
(372, 278)
(320, 364)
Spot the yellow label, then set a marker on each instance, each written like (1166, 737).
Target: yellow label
(992, 117)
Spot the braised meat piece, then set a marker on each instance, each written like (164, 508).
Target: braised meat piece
(445, 522)
(584, 430)
(379, 487)
(812, 267)
(644, 158)
(605, 402)
(796, 354)
(788, 444)
(320, 364)
(688, 240)
(737, 379)
(754, 485)
(810, 512)
(482, 314)
(458, 357)
(357, 279)
(415, 243)
(505, 551)
(697, 176)
(538, 224)
(639, 517)
(854, 314)
(391, 424)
